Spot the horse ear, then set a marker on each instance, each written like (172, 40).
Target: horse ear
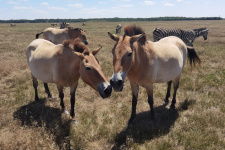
(113, 36)
(80, 55)
(94, 52)
(136, 38)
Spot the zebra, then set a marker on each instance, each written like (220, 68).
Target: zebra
(118, 28)
(64, 25)
(188, 36)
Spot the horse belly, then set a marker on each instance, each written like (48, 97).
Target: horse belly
(169, 71)
(167, 76)
(41, 69)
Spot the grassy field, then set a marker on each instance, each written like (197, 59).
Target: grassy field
(197, 123)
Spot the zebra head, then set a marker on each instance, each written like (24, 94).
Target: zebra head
(204, 33)
(201, 32)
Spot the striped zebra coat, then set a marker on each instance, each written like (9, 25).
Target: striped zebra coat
(188, 36)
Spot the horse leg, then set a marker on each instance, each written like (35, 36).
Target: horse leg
(135, 90)
(61, 96)
(72, 101)
(168, 92)
(150, 100)
(176, 85)
(47, 90)
(35, 85)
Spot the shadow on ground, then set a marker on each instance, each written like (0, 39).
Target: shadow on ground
(145, 129)
(37, 114)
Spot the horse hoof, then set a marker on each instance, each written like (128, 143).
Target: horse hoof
(36, 98)
(166, 102)
(130, 123)
(66, 112)
(75, 122)
(172, 107)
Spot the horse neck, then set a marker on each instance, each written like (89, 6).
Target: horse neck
(71, 59)
(137, 60)
(73, 33)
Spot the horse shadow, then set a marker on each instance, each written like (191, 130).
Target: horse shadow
(37, 114)
(145, 129)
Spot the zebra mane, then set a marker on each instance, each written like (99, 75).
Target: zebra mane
(132, 30)
(199, 30)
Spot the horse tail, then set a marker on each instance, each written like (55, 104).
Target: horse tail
(192, 56)
(37, 35)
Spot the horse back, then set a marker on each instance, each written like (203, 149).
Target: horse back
(56, 36)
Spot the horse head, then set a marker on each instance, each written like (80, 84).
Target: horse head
(122, 58)
(91, 72)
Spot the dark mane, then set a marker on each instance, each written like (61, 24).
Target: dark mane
(75, 45)
(200, 29)
(134, 30)
(79, 29)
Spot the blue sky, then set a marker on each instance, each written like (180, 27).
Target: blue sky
(73, 9)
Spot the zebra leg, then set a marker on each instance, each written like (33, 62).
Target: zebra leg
(166, 100)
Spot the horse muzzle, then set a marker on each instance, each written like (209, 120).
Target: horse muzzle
(85, 42)
(105, 91)
(117, 81)
(117, 85)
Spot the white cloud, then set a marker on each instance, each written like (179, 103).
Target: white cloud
(126, 5)
(76, 5)
(12, 2)
(44, 3)
(179, 0)
(40, 11)
(58, 8)
(22, 8)
(188, 2)
(23, 0)
(102, 2)
(148, 2)
(168, 4)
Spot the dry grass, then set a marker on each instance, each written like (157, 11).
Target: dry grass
(197, 123)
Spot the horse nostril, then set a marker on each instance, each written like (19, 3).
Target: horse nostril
(86, 42)
(112, 83)
(108, 90)
(120, 83)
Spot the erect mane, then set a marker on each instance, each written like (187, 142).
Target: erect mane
(75, 45)
(134, 30)
(199, 29)
(79, 29)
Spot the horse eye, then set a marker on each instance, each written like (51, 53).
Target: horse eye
(88, 68)
(129, 54)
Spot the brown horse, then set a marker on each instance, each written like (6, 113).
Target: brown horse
(145, 62)
(57, 36)
(64, 64)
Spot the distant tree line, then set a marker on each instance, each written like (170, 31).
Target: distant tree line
(116, 19)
